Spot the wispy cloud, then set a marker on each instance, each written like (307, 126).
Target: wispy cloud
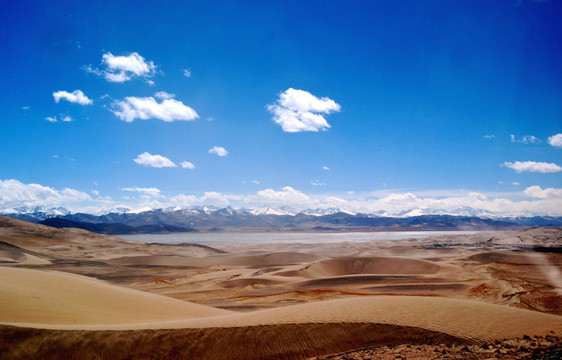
(162, 95)
(168, 110)
(218, 150)
(317, 183)
(490, 136)
(123, 68)
(187, 165)
(63, 118)
(532, 166)
(555, 140)
(157, 161)
(299, 110)
(77, 96)
(187, 73)
(325, 168)
(527, 139)
(151, 192)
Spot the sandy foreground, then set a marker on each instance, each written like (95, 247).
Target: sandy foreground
(68, 293)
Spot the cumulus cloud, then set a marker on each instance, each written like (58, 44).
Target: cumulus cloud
(218, 150)
(299, 110)
(209, 198)
(151, 192)
(325, 168)
(555, 140)
(187, 73)
(123, 68)
(187, 165)
(66, 119)
(52, 119)
(532, 166)
(77, 96)
(527, 139)
(548, 193)
(157, 161)
(15, 193)
(286, 196)
(168, 110)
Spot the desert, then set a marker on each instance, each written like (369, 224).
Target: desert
(70, 293)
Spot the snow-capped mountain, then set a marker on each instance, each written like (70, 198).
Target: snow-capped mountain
(34, 213)
(328, 211)
(266, 210)
(209, 217)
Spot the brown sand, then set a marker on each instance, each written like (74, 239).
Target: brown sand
(293, 301)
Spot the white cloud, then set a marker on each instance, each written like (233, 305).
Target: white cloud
(27, 107)
(168, 110)
(555, 140)
(515, 183)
(317, 183)
(157, 161)
(490, 136)
(15, 193)
(538, 192)
(299, 110)
(124, 68)
(287, 196)
(187, 165)
(532, 166)
(151, 192)
(325, 168)
(212, 198)
(77, 96)
(187, 73)
(150, 82)
(256, 182)
(52, 119)
(162, 95)
(527, 139)
(67, 119)
(218, 150)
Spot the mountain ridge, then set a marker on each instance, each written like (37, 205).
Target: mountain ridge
(207, 218)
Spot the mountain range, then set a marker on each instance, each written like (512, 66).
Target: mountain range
(208, 218)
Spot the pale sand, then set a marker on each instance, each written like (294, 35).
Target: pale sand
(299, 300)
(55, 300)
(52, 297)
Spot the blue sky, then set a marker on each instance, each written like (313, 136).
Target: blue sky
(362, 105)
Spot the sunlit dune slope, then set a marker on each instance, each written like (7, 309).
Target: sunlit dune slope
(59, 300)
(45, 297)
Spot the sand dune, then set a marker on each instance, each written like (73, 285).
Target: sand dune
(365, 265)
(45, 297)
(58, 300)
(276, 258)
(21, 258)
(453, 289)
